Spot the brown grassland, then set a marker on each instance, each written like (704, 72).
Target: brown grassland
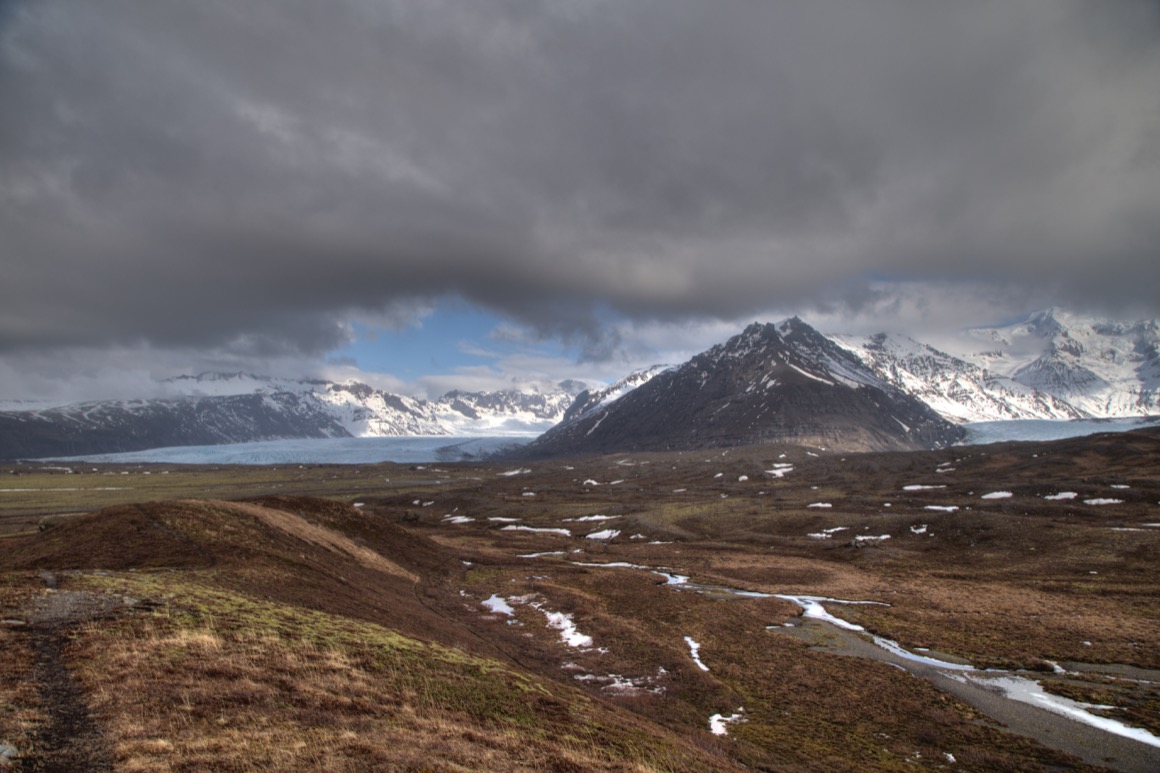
(332, 618)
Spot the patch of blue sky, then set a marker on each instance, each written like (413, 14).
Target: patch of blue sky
(455, 336)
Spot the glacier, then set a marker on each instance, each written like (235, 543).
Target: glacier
(368, 450)
(983, 432)
(424, 450)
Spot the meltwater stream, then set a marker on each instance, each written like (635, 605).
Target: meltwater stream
(1016, 701)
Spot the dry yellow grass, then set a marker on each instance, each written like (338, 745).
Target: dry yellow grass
(218, 681)
(299, 527)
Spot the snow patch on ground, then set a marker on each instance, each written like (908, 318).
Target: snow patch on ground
(942, 508)
(1103, 501)
(625, 685)
(605, 534)
(563, 622)
(827, 533)
(718, 723)
(457, 519)
(695, 652)
(1062, 495)
(921, 487)
(997, 495)
(498, 605)
(563, 532)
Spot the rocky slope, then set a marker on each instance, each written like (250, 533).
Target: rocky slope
(770, 384)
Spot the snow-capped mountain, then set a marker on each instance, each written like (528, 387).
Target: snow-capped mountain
(1052, 365)
(770, 384)
(234, 408)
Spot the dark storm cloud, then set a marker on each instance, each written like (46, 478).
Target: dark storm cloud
(227, 174)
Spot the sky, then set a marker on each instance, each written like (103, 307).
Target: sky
(428, 194)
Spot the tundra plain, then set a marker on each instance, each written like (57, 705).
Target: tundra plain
(624, 612)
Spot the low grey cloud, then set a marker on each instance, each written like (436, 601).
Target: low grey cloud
(250, 177)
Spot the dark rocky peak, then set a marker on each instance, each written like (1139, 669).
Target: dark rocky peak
(356, 388)
(572, 386)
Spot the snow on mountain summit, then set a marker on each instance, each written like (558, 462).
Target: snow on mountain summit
(957, 389)
(1100, 367)
(1051, 364)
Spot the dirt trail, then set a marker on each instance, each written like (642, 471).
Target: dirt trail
(70, 741)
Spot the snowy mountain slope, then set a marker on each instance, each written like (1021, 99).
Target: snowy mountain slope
(594, 399)
(1051, 365)
(770, 384)
(507, 412)
(958, 390)
(1101, 368)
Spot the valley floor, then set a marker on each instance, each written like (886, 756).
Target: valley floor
(977, 608)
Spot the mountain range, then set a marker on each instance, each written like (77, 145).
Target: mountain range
(771, 383)
(238, 408)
